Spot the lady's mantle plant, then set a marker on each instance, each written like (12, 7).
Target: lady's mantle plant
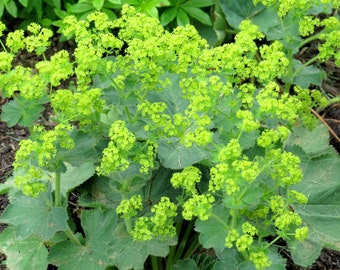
(157, 130)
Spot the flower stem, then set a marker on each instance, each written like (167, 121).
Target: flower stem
(57, 190)
(72, 237)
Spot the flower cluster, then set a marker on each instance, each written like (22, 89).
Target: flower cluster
(260, 259)
(129, 207)
(187, 179)
(44, 150)
(84, 107)
(115, 155)
(273, 63)
(284, 167)
(274, 105)
(269, 137)
(231, 151)
(57, 69)
(39, 40)
(160, 120)
(160, 224)
(147, 160)
(330, 47)
(307, 25)
(199, 206)
(286, 220)
(6, 61)
(21, 79)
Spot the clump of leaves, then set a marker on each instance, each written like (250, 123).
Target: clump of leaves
(164, 138)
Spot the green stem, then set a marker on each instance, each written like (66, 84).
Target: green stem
(233, 213)
(57, 190)
(310, 61)
(128, 114)
(272, 242)
(3, 46)
(290, 69)
(154, 262)
(193, 247)
(171, 256)
(310, 39)
(128, 225)
(184, 240)
(72, 237)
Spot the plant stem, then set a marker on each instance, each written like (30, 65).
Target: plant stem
(310, 61)
(310, 39)
(184, 240)
(72, 237)
(128, 225)
(290, 69)
(128, 114)
(193, 247)
(154, 262)
(57, 190)
(170, 260)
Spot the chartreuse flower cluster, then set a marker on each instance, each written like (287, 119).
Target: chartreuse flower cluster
(159, 224)
(329, 47)
(38, 154)
(115, 155)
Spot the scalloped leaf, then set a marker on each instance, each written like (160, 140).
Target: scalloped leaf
(38, 212)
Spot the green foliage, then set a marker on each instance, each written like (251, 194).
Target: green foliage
(44, 12)
(173, 146)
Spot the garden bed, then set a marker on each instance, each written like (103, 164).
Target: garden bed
(166, 164)
(10, 137)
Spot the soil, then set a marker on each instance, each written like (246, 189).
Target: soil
(10, 137)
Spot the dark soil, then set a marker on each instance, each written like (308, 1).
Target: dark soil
(10, 137)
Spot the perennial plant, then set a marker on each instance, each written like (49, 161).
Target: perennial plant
(173, 145)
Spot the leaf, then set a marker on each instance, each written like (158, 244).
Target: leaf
(252, 196)
(21, 111)
(24, 2)
(98, 4)
(230, 258)
(323, 222)
(287, 31)
(313, 142)
(187, 264)
(74, 176)
(238, 10)
(214, 230)
(182, 17)
(23, 254)
(198, 14)
(168, 15)
(130, 180)
(304, 253)
(33, 216)
(267, 18)
(176, 156)
(80, 8)
(12, 9)
(160, 186)
(305, 76)
(278, 262)
(171, 95)
(321, 185)
(83, 151)
(198, 3)
(124, 246)
(2, 8)
(98, 226)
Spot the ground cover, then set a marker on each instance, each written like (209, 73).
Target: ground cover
(329, 116)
